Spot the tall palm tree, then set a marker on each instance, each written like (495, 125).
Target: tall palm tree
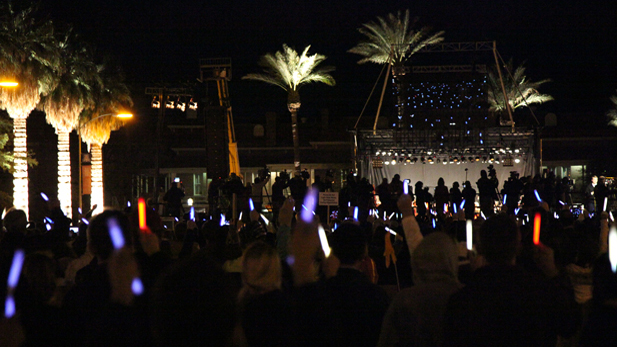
(28, 53)
(112, 96)
(520, 91)
(392, 40)
(612, 114)
(289, 71)
(73, 92)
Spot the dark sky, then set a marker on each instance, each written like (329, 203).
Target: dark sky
(571, 42)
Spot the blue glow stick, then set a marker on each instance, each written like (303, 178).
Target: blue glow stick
(370, 212)
(434, 224)
(48, 227)
(128, 204)
(18, 262)
(462, 204)
(115, 233)
(562, 203)
(505, 196)
(355, 213)
(44, 196)
(176, 219)
(79, 210)
(137, 287)
(445, 208)
(251, 205)
(222, 220)
(391, 215)
(516, 210)
(335, 226)
(49, 220)
(454, 208)
(537, 195)
(85, 221)
(309, 206)
(9, 306)
(192, 214)
(612, 248)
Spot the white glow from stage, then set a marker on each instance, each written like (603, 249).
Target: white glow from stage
(20, 176)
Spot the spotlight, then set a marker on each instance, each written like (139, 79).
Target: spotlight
(181, 105)
(169, 103)
(445, 161)
(393, 162)
(193, 105)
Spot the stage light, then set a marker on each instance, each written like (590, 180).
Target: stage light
(478, 158)
(169, 103)
(393, 162)
(193, 105)
(181, 105)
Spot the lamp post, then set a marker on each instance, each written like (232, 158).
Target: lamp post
(80, 126)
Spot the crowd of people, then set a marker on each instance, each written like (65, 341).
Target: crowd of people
(397, 273)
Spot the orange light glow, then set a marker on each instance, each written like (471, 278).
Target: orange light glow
(141, 207)
(536, 228)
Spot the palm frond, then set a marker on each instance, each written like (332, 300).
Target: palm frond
(395, 35)
(520, 91)
(289, 70)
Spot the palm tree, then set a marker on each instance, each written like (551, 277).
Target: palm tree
(29, 54)
(289, 71)
(96, 127)
(520, 91)
(73, 92)
(392, 40)
(612, 114)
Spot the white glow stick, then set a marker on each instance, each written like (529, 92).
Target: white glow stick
(324, 241)
(610, 214)
(115, 233)
(240, 218)
(462, 204)
(562, 203)
(222, 220)
(505, 196)
(44, 196)
(48, 227)
(370, 212)
(85, 221)
(355, 213)
(251, 205)
(391, 231)
(482, 214)
(612, 248)
(555, 215)
(454, 208)
(406, 187)
(537, 195)
(265, 219)
(79, 210)
(469, 234)
(192, 214)
(128, 204)
(309, 206)
(3, 213)
(391, 215)
(605, 203)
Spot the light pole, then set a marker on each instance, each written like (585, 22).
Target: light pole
(124, 115)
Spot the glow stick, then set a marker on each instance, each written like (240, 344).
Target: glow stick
(462, 204)
(48, 227)
(537, 195)
(605, 203)
(555, 215)
(349, 204)
(44, 196)
(612, 248)
(137, 287)
(85, 221)
(265, 219)
(176, 219)
(516, 210)
(482, 214)
(3, 212)
(434, 224)
(335, 226)
(309, 206)
(251, 205)
(405, 187)
(562, 203)
(192, 214)
(324, 241)
(445, 208)
(18, 262)
(537, 219)
(505, 196)
(469, 229)
(240, 218)
(355, 213)
(391, 231)
(115, 233)
(391, 215)
(79, 210)
(222, 220)
(454, 208)
(48, 220)
(610, 214)
(370, 212)
(128, 204)
(141, 208)
(426, 204)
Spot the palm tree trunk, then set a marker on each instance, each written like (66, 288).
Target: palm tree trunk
(296, 139)
(20, 176)
(96, 196)
(64, 173)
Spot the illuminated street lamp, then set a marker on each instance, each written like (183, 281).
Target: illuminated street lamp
(97, 177)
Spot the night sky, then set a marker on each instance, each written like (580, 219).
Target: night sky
(571, 42)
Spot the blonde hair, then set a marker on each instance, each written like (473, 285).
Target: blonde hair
(261, 270)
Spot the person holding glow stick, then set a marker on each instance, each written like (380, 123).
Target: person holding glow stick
(538, 309)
